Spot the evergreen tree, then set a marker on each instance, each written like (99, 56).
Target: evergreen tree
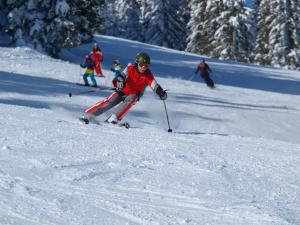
(278, 39)
(263, 31)
(198, 39)
(185, 11)
(280, 33)
(161, 24)
(111, 20)
(3, 17)
(220, 29)
(286, 48)
(52, 24)
(130, 19)
(123, 19)
(232, 34)
(253, 17)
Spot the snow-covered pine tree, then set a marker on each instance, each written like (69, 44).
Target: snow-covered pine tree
(278, 39)
(253, 18)
(264, 19)
(87, 16)
(220, 28)
(284, 43)
(233, 32)
(280, 33)
(185, 11)
(3, 17)
(122, 19)
(293, 57)
(161, 24)
(200, 39)
(14, 12)
(111, 20)
(155, 21)
(52, 24)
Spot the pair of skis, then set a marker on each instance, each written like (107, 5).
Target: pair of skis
(120, 124)
(84, 92)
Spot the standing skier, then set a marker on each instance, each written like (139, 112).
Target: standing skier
(131, 84)
(204, 72)
(97, 56)
(89, 72)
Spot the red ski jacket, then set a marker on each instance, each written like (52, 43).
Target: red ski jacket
(136, 82)
(97, 56)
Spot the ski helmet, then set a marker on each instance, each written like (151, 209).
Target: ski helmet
(116, 62)
(142, 57)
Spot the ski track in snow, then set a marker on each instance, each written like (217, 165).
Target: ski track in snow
(233, 156)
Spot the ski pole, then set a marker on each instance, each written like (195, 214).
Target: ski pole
(192, 77)
(169, 130)
(79, 77)
(80, 93)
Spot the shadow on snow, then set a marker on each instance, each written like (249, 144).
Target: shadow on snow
(215, 102)
(40, 86)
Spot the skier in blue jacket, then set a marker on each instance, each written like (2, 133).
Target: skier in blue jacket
(117, 69)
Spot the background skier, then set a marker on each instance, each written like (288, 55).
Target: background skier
(131, 84)
(117, 69)
(204, 73)
(89, 72)
(97, 56)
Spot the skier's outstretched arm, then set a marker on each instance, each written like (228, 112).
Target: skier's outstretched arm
(83, 65)
(158, 90)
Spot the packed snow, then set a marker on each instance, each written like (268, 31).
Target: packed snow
(233, 156)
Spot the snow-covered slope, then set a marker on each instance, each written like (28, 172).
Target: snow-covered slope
(233, 156)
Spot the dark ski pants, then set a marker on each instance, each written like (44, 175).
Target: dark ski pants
(209, 82)
(127, 101)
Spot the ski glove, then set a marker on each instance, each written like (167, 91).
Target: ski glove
(161, 93)
(120, 82)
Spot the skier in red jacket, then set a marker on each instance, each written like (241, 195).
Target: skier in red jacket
(130, 86)
(97, 56)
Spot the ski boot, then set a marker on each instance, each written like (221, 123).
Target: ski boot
(84, 119)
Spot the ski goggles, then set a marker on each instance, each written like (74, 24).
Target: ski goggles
(143, 65)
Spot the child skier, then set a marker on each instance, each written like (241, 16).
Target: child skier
(89, 72)
(117, 69)
(131, 84)
(204, 72)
